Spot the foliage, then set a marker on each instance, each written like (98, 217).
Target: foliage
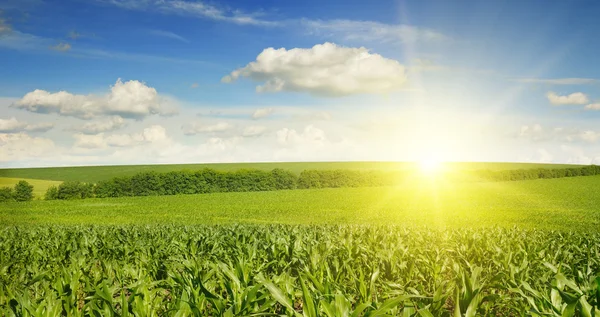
(39, 186)
(51, 193)
(23, 191)
(244, 270)
(75, 190)
(95, 174)
(6, 194)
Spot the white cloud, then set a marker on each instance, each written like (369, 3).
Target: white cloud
(590, 136)
(262, 112)
(537, 133)
(310, 136)
(89, 141)
(131, 99)
(39, 127)
(325, 69)
(351, 30)
(593, 106)
(5, 28)
(254, 130)
(315, 116)
(13, 125)
(197, 128)
(559, 81)
(576, 98)
(152, 134)
(20, 147)
(112, 124)
(195, 9)
(61, 47)
(170, 35)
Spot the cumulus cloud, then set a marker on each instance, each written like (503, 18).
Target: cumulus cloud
(21, 146)
(325, 69)
(254, 130)
(371, 31)
(112, 124)
(593, 106)
(13, 125)
(61, 47)
(576, 98)
(197, 128)
(131, 99)
(152, 134)
(262, 112)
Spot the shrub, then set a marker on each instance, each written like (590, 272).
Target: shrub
(51, 193)
(283, 179)
(75, 190)
(23, 191)
(6, 194)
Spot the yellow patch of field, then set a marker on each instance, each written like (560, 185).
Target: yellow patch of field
(39, 186)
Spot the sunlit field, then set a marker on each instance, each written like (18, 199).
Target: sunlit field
(565, 204)
(433, 245)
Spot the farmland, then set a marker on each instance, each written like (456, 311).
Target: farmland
(565, 203)
(342, 270)
(428, 247)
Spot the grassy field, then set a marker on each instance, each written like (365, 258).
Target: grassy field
(39, 186)
(556, 204)
(97, 173)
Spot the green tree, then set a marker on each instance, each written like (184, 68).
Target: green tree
(51, 193)
(6, 194)
(23, 191)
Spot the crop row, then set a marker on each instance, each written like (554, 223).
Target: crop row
(244, 270)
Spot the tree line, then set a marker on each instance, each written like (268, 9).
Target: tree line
(252, 180)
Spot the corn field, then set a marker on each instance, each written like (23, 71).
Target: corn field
(280, 270)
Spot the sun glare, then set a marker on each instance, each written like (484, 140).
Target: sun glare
(430, 165)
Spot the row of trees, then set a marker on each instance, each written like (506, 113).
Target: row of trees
(23, 191)
(250, 180)
(516, 175)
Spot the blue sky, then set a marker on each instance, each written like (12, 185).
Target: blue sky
(213, 81)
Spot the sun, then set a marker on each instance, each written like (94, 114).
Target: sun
(430, 165)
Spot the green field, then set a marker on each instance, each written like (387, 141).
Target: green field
(566, 203)
(97, 173)
(430, 247)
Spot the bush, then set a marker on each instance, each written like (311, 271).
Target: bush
(51, 193)
(283, 179)
(23, 191)
(75, 190)
(6, 194)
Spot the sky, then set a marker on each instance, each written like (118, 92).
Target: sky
(100, 82)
